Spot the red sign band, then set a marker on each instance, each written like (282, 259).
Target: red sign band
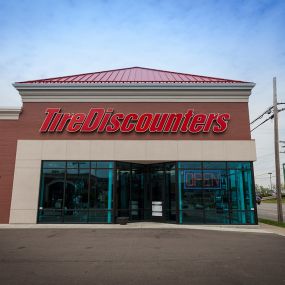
(100, 120)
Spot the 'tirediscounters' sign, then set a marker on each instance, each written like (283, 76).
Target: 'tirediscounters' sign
(102, 120)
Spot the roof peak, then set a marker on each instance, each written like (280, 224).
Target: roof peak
(132, 75)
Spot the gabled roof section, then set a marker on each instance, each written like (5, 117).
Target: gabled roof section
(132, 75)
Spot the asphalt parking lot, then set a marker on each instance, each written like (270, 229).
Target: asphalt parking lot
(140, 256)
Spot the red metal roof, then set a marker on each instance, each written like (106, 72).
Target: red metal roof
(133, 75)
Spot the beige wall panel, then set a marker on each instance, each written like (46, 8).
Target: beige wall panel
(78, 149)
(191, 149)
(31, 149)
(240, 150)
(23, 216)
(55, 150)
(213, 150)
(26, 188)
(28, 163)
(102, 150)
(130, 150)
(161, 150)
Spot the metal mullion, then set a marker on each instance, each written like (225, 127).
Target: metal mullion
(142, 192)
(164, 192)
(227, 191)
(40, 192)
(64, 189)
(144, 189)
(89, 186)
(253, 194)
(230, 193)
(244, 191)
(150, 191)
(115, 205)
(176, 192)
(203, 193)
(130, 191)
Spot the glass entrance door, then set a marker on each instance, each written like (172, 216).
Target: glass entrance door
(130, 190)
(157, 191)
(146, 192)
(162, 189)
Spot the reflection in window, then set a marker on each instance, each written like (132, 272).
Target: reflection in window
(191, 192)
(75, 193)
(219, 193)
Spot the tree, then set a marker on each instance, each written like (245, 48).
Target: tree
(263, 191)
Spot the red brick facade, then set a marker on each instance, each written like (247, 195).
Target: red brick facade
(33, 114)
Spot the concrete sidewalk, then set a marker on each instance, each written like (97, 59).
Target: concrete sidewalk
(276, 230)
(262, 228)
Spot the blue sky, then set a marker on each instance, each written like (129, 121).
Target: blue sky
(232, 39)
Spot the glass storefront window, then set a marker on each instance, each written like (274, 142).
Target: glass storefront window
(239, 165)
(191, 196)
(219, 193)
(214, 165)
(84, 164)
(75, 193)
(186, 192)
(102, 164)
(72, 164)
(51, 195)
(54, 164)
(242, 198)
(190, 164)
(137, 192)
(216, 197)
(123, 189)
(170, 193)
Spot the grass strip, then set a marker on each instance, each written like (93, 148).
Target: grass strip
(273, 201)
(272, 223)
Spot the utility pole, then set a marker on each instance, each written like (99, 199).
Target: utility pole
(277, 158)
(270, 173)
(283, 173)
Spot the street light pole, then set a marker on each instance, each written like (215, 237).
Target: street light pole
(277, 158)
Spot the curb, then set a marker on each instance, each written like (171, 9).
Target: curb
(224, 228)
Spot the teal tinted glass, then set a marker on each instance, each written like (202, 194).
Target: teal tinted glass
(105, 164)
(54, 164)
(72, 171)
(239, 165)
(214, 165)
(76, 193)
(170, 166)
(197, 192)
(84, 164)
(53, 171)
(102, 164)
(72, 164)
(190, 164)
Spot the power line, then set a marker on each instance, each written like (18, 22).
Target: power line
(271, 117)
(267, 111)
(261, 174)
(267, 177)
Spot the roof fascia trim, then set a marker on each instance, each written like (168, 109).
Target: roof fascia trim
(10, 113)
(193, 86)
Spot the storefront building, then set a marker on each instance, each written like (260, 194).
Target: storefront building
(141, 143)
